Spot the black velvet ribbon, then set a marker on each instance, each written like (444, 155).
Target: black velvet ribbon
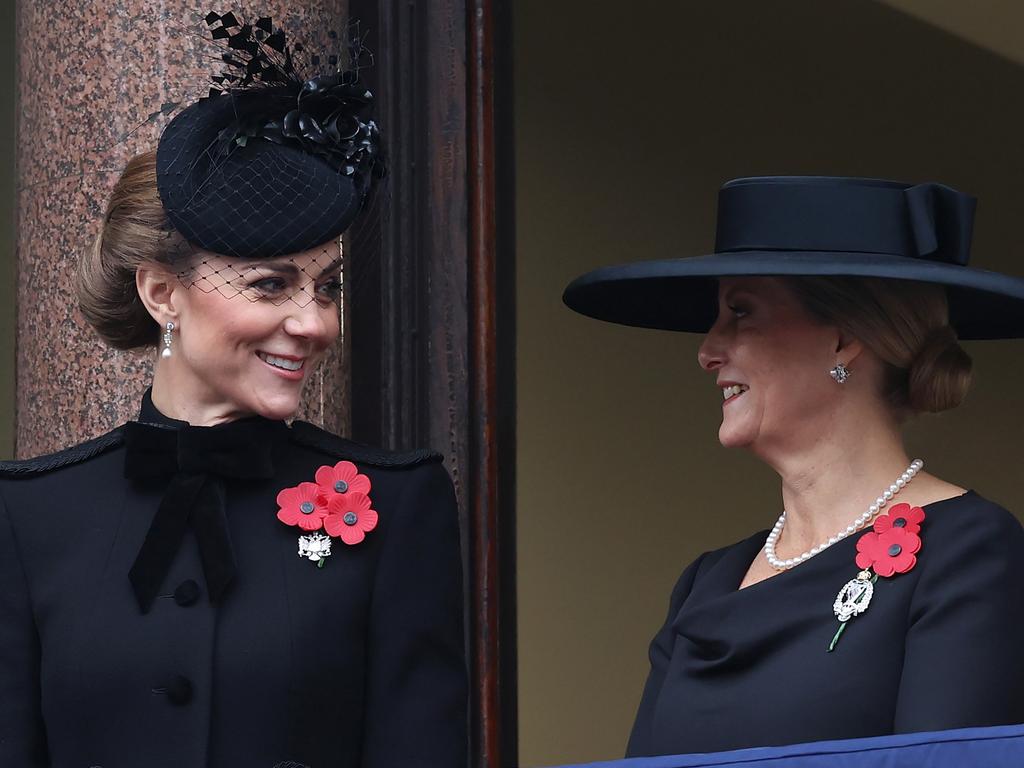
(196, 460)
(926, 221)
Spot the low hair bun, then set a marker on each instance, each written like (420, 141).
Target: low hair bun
(940, 374)
(905, 324)
(135, 232)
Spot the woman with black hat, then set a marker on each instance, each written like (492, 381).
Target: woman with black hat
(884, 599)
(210, 585)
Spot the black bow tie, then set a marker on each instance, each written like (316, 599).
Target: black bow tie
(196, 460)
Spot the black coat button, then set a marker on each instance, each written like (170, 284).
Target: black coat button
(179, 690)
(186, 593)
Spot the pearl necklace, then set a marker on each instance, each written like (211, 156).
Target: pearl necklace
(856, 525)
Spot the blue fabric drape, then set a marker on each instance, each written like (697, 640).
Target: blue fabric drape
(997, 747)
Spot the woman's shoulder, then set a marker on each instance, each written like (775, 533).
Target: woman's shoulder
(968, 529)
(972, 512)
(394, 475)
(74, 456)
(327, 444)
(411, 491)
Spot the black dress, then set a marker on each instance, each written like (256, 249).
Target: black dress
(940, 646)
(356, 663)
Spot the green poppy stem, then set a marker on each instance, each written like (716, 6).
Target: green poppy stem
(320, 563)
(835, 638)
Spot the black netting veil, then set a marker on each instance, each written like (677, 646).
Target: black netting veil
(301, 278)
(258, 201)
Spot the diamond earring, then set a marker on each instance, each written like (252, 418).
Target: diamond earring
(168, 338)
(840, 373)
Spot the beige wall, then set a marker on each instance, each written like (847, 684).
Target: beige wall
(991, 24)
(627, 121)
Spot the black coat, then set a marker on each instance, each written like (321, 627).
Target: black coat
(357, 663)
(938, 647)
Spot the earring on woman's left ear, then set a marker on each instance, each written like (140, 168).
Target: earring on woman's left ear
(168, 339)
(840, 373)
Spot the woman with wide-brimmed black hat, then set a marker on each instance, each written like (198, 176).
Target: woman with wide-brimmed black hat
(211, 585)
(884, 599)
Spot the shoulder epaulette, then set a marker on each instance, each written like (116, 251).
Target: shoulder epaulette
(311, 436)
(73, 455)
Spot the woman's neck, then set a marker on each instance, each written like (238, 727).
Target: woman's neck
(823, 491)
(177, 397)
(833, 471)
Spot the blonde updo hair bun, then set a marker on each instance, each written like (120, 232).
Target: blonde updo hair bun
(135, 232)
(905, 323)
(940, 374)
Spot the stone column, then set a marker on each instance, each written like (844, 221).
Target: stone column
(90, 74)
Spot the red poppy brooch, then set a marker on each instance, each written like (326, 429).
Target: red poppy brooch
(890, 548)
(338, 504)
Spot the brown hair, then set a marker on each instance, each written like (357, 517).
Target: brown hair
(135, 231)
(904, 323)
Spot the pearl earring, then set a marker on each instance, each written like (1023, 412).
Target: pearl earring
(840, 373)
(168, 338)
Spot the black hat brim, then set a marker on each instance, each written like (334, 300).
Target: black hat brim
(682, 294)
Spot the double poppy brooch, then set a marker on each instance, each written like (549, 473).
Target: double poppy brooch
(336, 505)
(888, 549)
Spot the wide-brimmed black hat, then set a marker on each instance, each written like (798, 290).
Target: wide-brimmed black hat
(813, 225)
(274, 161)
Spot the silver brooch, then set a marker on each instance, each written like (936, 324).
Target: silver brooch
(855, 597)
(316, 547)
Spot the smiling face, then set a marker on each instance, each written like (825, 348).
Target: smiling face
(771, 359)
(249, 333)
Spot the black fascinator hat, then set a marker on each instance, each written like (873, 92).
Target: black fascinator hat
(274, 160)
(813, 225)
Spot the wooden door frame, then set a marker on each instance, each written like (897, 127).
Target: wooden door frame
(430, 297)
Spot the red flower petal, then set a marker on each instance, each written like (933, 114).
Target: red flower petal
(884, 567)
(341, 503)
(866, 548)
(909, 543)
(308, 491)
(911, 517)
(889, 552)
(368, 520)
(892, 546)
(325, 478)
(901, 537)
(347, 504)
(291, 502)
(310, 522)
(908, 564)
(359, 483)
(352, 535)
(914, 519)
(286, 496)
(334, 525)
(912, 543)
(331, 506)
(344, 472)
(288, 515)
